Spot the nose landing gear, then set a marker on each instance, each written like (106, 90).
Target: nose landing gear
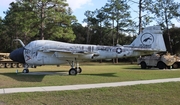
(26, 70)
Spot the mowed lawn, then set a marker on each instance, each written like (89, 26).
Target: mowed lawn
(151, 94)
(92, 73)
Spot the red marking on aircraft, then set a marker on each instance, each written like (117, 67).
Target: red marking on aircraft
(28, 57)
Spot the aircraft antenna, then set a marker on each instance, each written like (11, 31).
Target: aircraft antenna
(19, 41)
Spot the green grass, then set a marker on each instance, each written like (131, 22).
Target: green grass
(151, 94)
(92, 73)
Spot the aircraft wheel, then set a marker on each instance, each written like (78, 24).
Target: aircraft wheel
(72, 71)
(79, 70)
(26, 71)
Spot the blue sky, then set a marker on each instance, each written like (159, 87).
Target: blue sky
(80, 6)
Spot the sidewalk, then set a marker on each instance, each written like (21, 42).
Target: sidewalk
(84, 86)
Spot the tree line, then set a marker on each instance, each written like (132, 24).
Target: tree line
(112, 24)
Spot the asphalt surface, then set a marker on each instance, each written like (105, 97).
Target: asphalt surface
(83, 86)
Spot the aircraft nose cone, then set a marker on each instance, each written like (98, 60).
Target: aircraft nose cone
(17, 55)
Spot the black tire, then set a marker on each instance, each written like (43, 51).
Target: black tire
(161, 65)
(26, 71)
(143, 65)
(175, 66)
(79, 70)
(72, 71)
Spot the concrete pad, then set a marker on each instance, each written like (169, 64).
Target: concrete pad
(1, 91)
(84, 86)
(59, 88)
(88, 86)
(19, 90)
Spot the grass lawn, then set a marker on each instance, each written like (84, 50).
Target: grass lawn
(151, 94)
(92, 73)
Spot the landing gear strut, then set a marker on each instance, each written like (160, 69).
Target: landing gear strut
(26, 70)
(74, 68)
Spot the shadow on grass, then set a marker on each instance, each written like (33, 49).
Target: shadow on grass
(102, 74)
(32, 76)
(24, 78)
(142, 69)
(102, 63)
(130, 68)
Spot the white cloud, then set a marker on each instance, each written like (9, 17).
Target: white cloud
(84, 24)
(76, 4)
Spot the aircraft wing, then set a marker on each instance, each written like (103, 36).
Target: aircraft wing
(78, 52)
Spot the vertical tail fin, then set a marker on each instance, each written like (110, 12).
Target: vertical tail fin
(150, 38)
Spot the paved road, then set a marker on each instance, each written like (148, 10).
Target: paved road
(83, 86)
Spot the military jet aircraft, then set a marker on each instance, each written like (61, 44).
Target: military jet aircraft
(47, 52)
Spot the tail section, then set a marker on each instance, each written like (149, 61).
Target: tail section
(151, 39)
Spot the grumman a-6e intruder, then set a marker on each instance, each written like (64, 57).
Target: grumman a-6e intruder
(46, 52)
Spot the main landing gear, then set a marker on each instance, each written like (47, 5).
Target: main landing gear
(74, 68)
